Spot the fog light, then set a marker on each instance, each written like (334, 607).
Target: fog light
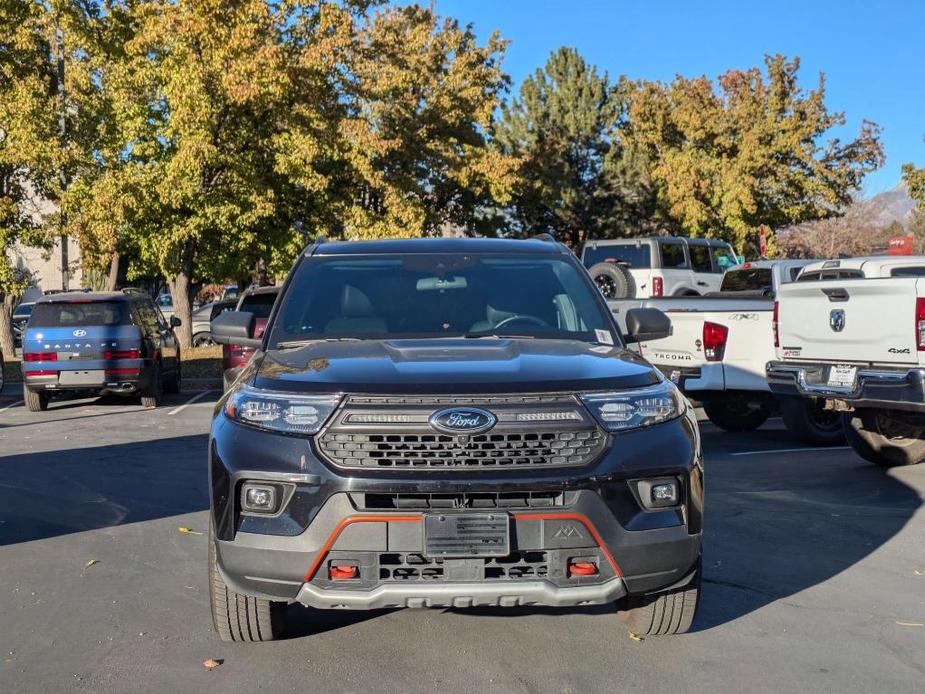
(659, 493)
(258, 498)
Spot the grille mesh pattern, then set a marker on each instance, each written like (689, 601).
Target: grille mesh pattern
(493, 449)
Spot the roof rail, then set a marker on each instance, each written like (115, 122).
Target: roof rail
(544, 236)
(310, 248)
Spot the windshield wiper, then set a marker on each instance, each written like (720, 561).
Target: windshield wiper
(504, 336)
(295, 344)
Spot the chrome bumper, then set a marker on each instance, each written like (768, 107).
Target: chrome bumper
(897, 389)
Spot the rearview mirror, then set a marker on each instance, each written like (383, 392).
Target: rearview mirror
(645, 324)
(235, 328)
(175, 322)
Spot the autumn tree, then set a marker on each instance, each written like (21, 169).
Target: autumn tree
(399, 147)
(30, 152)
(577, 178)
(747, 151)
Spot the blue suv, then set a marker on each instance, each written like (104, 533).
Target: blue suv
(114, 342)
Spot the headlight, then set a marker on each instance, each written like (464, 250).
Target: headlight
(284, 412)
(630, 409)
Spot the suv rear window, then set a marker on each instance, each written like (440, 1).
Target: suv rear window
(755, 279)
(633, 256)
(673, 255)
(258, 304)
(52, 315)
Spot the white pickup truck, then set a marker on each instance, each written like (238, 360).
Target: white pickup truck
(720, 345)
(852, 332)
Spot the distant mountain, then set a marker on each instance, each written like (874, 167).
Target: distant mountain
(885, 208)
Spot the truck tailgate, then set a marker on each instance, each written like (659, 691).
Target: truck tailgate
(854, 320)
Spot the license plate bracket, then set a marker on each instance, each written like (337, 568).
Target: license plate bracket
(842, 375)
(467, 535)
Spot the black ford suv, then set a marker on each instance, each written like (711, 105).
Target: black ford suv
(456, 423)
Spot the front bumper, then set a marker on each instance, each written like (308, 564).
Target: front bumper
(880, 387)
(331, 516)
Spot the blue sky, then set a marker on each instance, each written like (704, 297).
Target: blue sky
(872, 53)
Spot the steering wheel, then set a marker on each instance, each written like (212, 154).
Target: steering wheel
(522, 319)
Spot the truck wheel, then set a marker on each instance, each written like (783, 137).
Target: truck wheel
(662, 614)
(736, 414)
(809, 421)
(36, 401)
(203, 339)
(239, 617)
(152, 396)
(614, 281)
(885, 438)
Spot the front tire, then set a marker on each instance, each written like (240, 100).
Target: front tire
(888, 439)
(809, 421)
(36, 400)
(736, 414)
(662, 614)
(203, 340)
(238, 617)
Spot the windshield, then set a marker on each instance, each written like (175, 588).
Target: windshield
(432, 295)
(258, 304)
(53, 315)
(754, 279)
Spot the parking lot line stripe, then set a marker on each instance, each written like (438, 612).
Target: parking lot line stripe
(18, 402)
(794, 450)
(189, 402)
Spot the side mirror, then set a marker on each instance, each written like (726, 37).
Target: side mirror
(175, 322)
(644, 324)
(235, 328)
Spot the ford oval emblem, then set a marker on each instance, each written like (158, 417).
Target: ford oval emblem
(463, 420)
(80, 333)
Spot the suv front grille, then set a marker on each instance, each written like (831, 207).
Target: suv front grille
(462, 500)
(395, 433)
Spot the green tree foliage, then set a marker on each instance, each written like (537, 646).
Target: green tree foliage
(748, 153)
(30, 151)
(577, 179)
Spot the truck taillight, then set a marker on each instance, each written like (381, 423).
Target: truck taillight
(714, 340)
(40, 356)
(920, 323)
(658, 286)
(775, 324)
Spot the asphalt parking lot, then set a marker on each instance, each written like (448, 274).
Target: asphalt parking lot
(814, 570)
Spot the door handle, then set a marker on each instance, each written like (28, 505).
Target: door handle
(701, 284)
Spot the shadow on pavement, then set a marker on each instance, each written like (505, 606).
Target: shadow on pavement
(55, 493)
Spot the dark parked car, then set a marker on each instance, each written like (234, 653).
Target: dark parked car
(102, 342)
(259, 303)
(20, 317)
(450, 423)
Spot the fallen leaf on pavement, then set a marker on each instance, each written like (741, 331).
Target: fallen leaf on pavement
(919, 572)
(188, 531)
(636, 637)
(91, 563)
(211, 664)
(910, 624)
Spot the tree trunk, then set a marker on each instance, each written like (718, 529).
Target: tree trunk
(180, 287)
(6, 325)
(112, 280)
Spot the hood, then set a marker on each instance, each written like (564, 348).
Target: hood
(452, 365)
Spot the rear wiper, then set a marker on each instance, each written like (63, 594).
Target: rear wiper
(504, 336)
(295, 344)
